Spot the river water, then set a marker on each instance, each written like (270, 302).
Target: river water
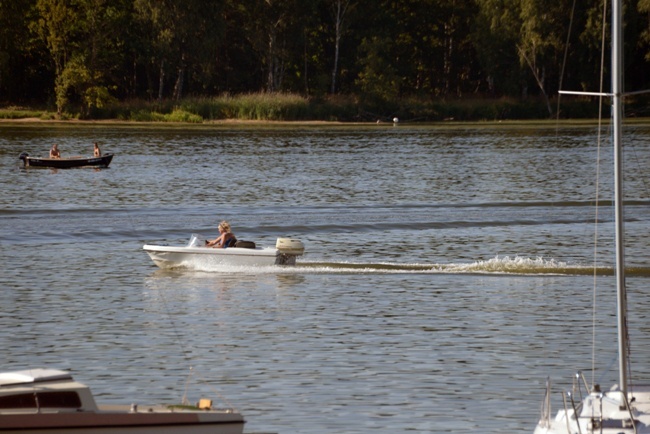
(448, 270)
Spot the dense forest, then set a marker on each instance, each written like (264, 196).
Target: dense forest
(89, 54)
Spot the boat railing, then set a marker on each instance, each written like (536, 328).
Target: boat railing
(545, 416)
(577, 379)
(568, 399)
(575, 400)
(574, 407)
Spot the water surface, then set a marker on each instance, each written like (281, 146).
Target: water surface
(448, 270)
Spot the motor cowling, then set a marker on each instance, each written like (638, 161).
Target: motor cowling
(290, 246)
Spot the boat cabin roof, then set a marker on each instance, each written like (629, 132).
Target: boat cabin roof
(32, 376)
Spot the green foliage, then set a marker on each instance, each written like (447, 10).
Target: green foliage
(207, 108)
(261, 106)
(183, 116)
(285, 107)
(98, 97)
(144, 116)
(83, 55)
(61, 92)
(495, 37)
(268, 106)
(378, 80)
(334, 108)
(74, 77)
(20, 113)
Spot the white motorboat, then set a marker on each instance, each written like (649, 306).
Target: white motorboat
(50, 401)
(195, 255)
(625, 407)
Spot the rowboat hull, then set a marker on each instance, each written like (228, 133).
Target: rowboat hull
(67, 163)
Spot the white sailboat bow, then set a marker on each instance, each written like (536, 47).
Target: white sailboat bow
(625, 408)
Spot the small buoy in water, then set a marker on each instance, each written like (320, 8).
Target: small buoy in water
(395, 120)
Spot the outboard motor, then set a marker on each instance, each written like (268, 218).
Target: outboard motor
(23, 156)
(289, 250)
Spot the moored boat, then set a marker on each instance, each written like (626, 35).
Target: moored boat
(66, 163)
(625, 407)
(51, 401)
(195, 255)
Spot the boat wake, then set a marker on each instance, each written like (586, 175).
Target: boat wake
(496, 266)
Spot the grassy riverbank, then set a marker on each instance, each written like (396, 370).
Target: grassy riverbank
(292, 107)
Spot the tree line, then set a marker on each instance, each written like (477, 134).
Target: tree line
(92, 53)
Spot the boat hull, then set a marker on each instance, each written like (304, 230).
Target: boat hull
(206, 257)
(51, 401)
(67, 163)
(119, 422)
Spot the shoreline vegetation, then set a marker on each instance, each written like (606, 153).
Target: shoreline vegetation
(294, 108)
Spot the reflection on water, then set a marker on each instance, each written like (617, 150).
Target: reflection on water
(442, 266)
(287, 281)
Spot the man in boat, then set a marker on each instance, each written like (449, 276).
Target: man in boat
(225, 239)
(96, 151)
(54, 152)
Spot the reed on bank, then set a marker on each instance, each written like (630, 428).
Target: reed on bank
(340, 108)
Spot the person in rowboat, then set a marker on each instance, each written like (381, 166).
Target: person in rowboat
(225, 239)
(96, 151)
(54, 152)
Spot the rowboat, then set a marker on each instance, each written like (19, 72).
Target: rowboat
(195, 255)
(50, 401)
(66, 163)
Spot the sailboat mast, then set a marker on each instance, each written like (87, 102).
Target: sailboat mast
(617, 118)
